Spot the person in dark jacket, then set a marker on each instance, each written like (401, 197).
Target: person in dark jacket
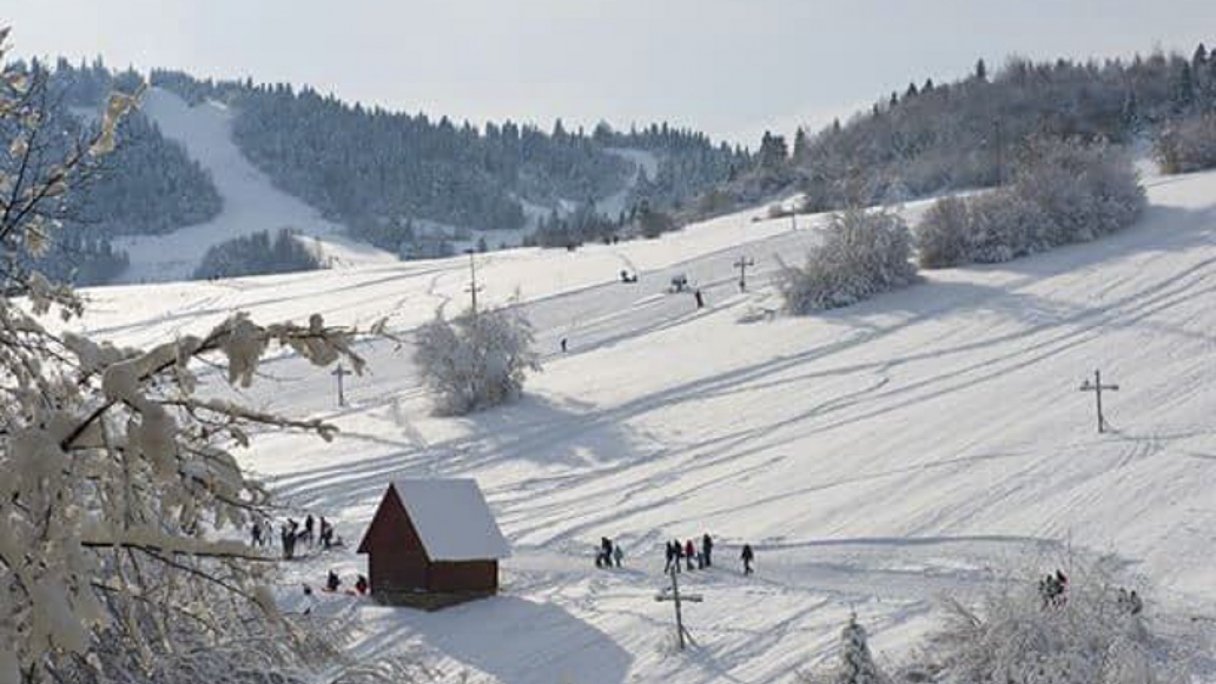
(700, 298)
(332, 582)
(707, 547)
(677, 553)
(309, 524)
(669, 554)
(747, 556)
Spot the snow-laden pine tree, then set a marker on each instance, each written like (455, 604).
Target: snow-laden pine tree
(856, 663)
(476, 360)
(122, 511)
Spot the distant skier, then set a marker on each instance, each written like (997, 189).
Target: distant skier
(1130, 602)
(747, 556)
(309, 600)
(563, 344)
(361, 585)
(289, 542)
(309, 524)
(327, 533)
(707, 547)
(617, 553)
(700, 298)
(256, 533)
(332, 582)
(671, 555)
(690, 552)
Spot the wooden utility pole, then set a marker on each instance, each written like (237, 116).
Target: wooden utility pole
(1000, 152)
(1096, 387)
(673, 595)
(742, 263)
(473, 287)
(339, 373)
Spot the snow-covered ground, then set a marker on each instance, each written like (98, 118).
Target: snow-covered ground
(930, 440)
(251, 202)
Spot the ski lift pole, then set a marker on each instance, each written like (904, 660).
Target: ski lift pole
(676, 598)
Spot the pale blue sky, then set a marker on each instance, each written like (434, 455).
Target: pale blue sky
(729, 67)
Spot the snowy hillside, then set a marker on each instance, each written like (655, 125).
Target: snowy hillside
(251, 202)
(927, 441)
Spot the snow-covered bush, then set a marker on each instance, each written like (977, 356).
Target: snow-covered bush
(941, 236)
(862, 254)
(1187, 145)
(121, 506)
(1062, 192)
(1090, 635)
(856, 664)
(476, 360)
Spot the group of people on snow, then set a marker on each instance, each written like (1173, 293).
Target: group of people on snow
(1053, 589)
(679, 556)
(333, 583)
(609, 554)
(291, 533)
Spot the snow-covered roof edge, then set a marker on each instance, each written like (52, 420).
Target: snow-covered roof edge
(452, 519)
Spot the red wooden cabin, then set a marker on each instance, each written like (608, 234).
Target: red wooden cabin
(433, 537)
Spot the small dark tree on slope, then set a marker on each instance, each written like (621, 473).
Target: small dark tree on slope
(856, 664)
(476, 361)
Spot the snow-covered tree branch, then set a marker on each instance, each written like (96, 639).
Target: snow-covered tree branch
(118, 495)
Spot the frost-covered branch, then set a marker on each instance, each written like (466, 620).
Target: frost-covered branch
(122, 511)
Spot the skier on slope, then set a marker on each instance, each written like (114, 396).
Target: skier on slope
(690, 551)
(707, 547)
(747, 556)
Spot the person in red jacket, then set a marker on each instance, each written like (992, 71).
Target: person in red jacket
(690, 552)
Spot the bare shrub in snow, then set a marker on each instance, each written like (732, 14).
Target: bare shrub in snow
(1016, 637)
(476, 360)
(862, 254)
(1187, 145)
(119, 498)
(1062, 192)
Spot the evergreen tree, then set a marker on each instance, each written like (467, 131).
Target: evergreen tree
(856, 664)
(981, 70)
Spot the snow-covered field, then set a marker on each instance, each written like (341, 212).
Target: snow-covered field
(930, 440)
(251, 202)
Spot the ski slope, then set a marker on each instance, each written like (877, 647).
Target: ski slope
(251, 203)
(931, 440)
